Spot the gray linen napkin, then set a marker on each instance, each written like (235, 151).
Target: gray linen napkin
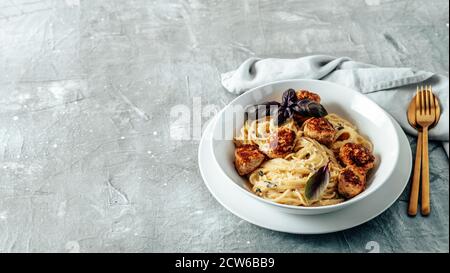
(391, 88)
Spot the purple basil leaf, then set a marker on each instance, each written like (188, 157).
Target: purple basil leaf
(296, 109)
(289, 96)
(316, 109)
(280, 118)
(309, 108)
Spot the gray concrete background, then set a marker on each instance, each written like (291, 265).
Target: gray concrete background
(86, 159)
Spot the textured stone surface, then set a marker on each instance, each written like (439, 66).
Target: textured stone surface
(86, 159)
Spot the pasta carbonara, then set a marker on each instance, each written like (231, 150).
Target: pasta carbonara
(291, 153)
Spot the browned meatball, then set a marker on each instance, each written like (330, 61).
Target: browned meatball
(281, 142)
(247, 159)
(319, 129)
(351, 182)
(356, 155)
(307, 95)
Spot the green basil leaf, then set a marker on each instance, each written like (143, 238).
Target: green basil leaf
(317, 183)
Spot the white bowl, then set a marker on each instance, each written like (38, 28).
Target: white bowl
(371, 120)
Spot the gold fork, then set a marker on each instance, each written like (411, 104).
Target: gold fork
(425, 116)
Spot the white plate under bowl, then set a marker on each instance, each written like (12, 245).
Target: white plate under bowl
(371, 120)
(263, 215)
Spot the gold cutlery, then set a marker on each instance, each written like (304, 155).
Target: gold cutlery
(415, 181)
(427, 112)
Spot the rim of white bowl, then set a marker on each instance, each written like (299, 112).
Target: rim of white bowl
(348, 202)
